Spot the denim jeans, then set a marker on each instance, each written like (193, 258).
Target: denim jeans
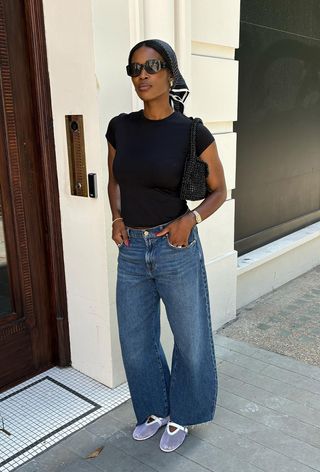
(151, 268)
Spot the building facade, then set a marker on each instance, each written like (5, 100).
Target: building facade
(75, 59)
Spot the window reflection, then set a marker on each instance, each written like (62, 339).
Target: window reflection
(5, 297)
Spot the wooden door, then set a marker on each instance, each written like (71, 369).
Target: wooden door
(33, 322)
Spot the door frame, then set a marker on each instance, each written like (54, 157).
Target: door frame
(52, 216)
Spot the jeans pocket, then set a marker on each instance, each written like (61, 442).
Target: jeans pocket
(192, 241)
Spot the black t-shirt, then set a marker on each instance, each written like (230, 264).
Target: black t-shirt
(149, 163)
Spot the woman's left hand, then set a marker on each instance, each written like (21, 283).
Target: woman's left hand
(179, 230)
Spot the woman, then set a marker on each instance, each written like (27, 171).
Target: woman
(160, 254)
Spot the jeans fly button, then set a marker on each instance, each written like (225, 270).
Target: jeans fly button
(145, 233)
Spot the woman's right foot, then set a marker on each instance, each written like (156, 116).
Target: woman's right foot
(149, 427)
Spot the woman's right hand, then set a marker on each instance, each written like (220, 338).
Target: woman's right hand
(119, 233)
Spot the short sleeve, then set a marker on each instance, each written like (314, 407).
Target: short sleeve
(204, 138)
(110, 133)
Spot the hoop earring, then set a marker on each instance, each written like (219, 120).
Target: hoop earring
(171, 83)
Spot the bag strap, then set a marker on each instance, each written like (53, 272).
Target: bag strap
(193, 135)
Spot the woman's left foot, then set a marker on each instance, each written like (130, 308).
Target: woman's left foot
(173, 438)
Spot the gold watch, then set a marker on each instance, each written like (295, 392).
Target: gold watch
(197, 216)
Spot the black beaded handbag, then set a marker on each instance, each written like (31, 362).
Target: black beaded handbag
(194, 185)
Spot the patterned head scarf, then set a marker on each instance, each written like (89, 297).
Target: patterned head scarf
(179, 90)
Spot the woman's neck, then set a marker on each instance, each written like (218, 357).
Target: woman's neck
(156, 113)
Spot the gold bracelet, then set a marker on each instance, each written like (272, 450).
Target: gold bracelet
(117, 219)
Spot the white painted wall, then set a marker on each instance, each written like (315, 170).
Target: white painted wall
(69, 38)
(111, 36)
(216, 22)
(214, 37)
(88, 43)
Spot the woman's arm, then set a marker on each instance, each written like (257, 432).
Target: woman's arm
(119, 232)
(181, 227)
(216, 182)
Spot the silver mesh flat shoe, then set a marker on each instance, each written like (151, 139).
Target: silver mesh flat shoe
(146, 430)
(170, 441)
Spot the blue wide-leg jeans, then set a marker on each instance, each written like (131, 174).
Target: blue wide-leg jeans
(150, 269)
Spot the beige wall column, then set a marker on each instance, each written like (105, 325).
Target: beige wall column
(115, 27)
(70, 51)
(159, 20)
(214, 37)
(182, 35)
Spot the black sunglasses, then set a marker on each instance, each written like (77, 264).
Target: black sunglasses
(152, 66)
